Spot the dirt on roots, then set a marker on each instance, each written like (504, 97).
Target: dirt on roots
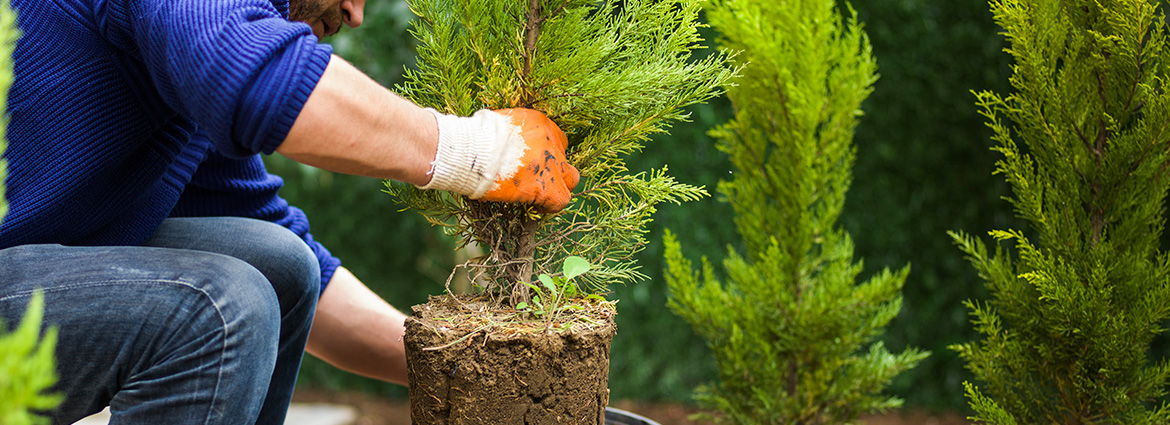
(474, 364)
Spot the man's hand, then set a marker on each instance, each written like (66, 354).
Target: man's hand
(543, 178)
(510, 155)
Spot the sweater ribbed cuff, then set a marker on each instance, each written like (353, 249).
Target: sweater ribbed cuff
(318, 59)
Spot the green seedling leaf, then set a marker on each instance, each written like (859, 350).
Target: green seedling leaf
(548, 283)
(522, 306)
(575, 266)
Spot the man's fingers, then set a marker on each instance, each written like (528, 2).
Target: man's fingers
(554, 200)
(571, 175)
(559, 196)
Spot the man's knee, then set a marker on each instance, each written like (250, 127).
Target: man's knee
(291, 256)
(291, 267)
(154, 321)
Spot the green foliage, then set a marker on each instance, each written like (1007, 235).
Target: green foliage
(1077, 301)
(789, 327)
(27, 369)
(609, 75)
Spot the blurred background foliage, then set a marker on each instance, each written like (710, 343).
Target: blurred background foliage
(923, 167)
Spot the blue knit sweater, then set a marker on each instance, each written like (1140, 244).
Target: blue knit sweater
(125, 112)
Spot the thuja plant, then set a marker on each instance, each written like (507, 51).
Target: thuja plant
(609, 74)
(793, 332)
(27, 366)
(1076, 298)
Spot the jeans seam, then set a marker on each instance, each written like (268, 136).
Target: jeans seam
(111, 282)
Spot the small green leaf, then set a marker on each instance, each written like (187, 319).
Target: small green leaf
(548, 283)
(522, 306)
(575, 266)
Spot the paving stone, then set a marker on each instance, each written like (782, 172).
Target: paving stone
(298, 414)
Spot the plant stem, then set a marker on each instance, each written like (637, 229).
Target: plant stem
(521, 271)
(531, 35)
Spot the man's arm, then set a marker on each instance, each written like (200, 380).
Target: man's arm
(351, 124)
(356, 331)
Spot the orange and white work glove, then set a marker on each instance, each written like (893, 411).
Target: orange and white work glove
(509, 155)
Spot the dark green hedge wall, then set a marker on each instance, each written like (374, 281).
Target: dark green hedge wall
(924, 167)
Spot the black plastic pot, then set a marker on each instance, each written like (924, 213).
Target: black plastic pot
(622, 417)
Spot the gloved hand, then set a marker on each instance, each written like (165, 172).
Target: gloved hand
(510, 155)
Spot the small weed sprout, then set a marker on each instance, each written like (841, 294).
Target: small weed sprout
(549, 299)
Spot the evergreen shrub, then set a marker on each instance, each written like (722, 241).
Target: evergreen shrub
(1077, 298)
(794, 336)
(610, 74)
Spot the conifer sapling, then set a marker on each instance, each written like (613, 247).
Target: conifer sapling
(609, 74)
(791, 331)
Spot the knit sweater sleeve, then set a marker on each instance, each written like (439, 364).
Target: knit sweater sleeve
(237, 68)
(241, 187)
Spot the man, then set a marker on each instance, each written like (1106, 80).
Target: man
(182, 286)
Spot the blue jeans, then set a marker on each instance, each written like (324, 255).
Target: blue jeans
(206, 324)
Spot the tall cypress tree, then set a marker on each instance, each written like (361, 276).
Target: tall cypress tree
(609, 74)
(792, 332)
(1076, 298)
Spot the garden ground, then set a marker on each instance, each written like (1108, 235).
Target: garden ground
(380, 411)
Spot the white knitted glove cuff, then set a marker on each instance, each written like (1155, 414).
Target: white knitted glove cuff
(473, 151)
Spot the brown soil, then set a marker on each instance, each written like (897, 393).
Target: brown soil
(475, 365)
(380, 411)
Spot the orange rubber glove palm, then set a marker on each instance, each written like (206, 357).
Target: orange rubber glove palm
(509, 155)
